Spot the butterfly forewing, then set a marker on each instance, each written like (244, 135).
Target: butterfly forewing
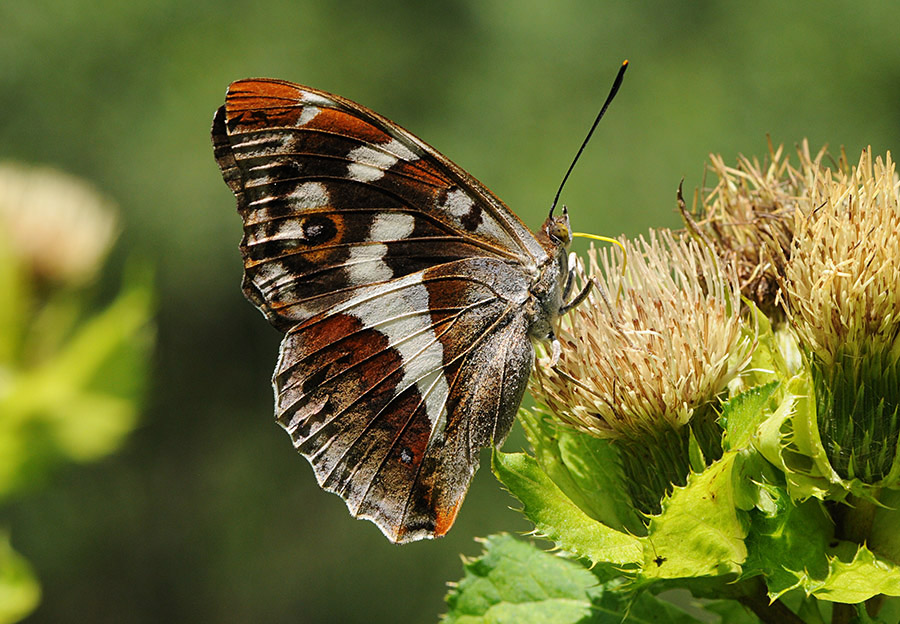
(404, 287)
(335, 197)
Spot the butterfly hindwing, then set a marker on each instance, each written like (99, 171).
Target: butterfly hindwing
(392, 394)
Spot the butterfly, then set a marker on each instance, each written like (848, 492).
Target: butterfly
(409, 296)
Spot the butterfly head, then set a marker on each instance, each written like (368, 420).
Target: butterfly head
(558, 230)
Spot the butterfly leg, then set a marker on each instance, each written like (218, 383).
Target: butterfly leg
(570, 281)
(555, 349)
(579, 298)
(570, 278)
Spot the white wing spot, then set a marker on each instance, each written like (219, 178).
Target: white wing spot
(369, 164)
(366, 264)
(290, 229)
(267, 145)
(400, 150)
(458, 203)
(392, 226)
(317, 100)
(311, 195)
(308, 114)
(414, 339)
(306, 196)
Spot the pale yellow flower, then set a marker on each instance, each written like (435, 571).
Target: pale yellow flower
(842, 285)
(668, 343)
(58, 226)
(749, 217)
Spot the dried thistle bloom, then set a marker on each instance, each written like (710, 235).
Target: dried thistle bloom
(842, 294)
(643, 368)
(57, 225)
(671, 341)
(749, 217)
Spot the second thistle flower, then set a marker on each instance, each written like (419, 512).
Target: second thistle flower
(842, 295)
(643, 365)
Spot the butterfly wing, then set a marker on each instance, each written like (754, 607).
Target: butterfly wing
(392, 394)
(334, 197)
(402, 285)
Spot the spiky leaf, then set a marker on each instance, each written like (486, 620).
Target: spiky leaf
(584, 467)
(514, 581)
(699, 531)
(558, 518)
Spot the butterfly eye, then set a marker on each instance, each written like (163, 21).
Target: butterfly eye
(558, 229)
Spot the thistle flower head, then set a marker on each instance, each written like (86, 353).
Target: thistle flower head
(57, 225)
(842, 282)
(842, 295)
(749, 217)
(667, 342)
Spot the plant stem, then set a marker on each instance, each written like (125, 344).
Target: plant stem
(854, 523)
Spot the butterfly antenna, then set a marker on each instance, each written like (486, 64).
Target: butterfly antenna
(609, 98)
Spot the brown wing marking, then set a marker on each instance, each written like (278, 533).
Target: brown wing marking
(370, 431)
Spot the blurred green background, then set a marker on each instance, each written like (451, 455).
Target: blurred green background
(206, 514)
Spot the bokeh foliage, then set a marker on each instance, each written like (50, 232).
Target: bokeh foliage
(206, 514)
(71, 375)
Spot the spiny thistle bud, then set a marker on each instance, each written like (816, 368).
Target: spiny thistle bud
(842, 295)
(749, 217)
(640, 368)
(56, 225)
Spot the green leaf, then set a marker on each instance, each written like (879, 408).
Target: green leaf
(789, 436)
(854, 580)
(788, 543)
(767, 364)
(584, 467)
(884, 538)
(616, 607)
(731, 612)
(79, 402)
(754, 481)
(108, 360)
(696, 458)
(789, 439)
(558, 518)
(794, 548)
(514, 581)
(699, 531)
(743, 414)
(19, 590)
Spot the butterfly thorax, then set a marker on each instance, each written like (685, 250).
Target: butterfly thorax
(548, 290)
